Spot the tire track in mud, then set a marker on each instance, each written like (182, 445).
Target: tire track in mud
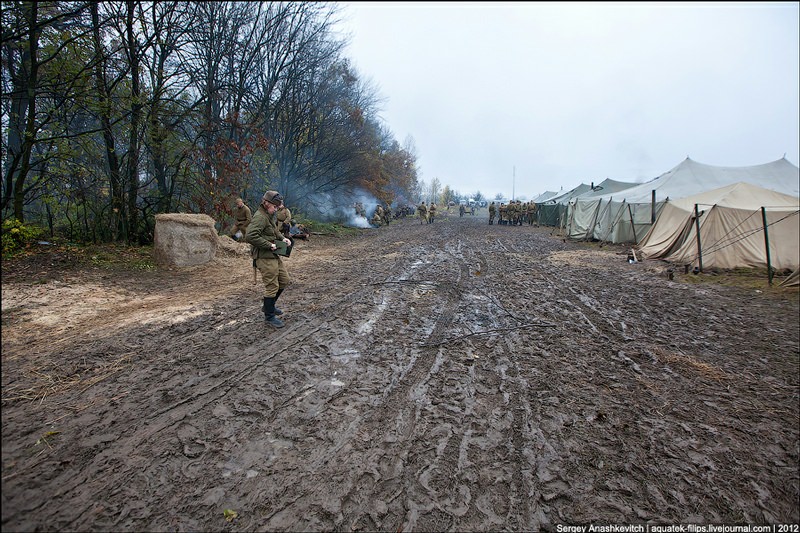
(199, 393)
(341, 441)
(557, 410)
(402, 399)
(413, 378)
(445, 472)
(613, 355)
(450, 456)
(409, 390)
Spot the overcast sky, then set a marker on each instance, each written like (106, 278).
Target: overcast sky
(526, 97)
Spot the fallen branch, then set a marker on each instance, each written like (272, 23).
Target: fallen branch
(489, 332)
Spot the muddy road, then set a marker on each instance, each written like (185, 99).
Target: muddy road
(452, 376)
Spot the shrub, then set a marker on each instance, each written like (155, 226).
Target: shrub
(17, 235)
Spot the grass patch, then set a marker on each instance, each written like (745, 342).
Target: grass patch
(118, 257)
(745, 278)
(331, 228)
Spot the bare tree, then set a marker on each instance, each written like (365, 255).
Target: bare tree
(434, 190)
(24, 76)
(168, 141)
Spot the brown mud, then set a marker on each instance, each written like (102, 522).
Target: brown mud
(452, 376)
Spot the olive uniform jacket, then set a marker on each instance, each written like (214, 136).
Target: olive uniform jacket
(261, 233)
(243, 218)
(283, 215)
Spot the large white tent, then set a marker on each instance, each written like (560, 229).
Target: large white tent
(731, 229)
(627, 215)
(582, 227)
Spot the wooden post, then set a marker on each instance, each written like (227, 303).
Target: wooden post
(699, 248)
(630, 213)
(766, 243)
(653, 208)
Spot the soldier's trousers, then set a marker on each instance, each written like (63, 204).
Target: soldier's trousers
(273, 274)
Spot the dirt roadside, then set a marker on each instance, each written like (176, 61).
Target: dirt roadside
(452, 376)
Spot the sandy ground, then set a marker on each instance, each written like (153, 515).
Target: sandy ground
(452, 376)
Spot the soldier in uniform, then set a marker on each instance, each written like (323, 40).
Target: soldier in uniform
(360, 211)
(242, 216)
(513, 209)
(298, 231)
(431, 213)
(284, 218)
(492, 213)
(262, 234)
(422, 209)
(387, 214)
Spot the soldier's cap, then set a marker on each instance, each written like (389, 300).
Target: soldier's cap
(273, 197)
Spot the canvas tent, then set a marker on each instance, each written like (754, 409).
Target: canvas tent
(731, 229)
(793, 280)
(547, 195)
(553, 212)
(607, 187)
(627, 215)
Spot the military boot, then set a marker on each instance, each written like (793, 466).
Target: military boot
(277, 311)
(269, 313)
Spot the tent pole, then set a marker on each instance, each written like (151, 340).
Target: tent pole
(633, 228)
(653, 208)
(590, 233)
(766, 243)
(699, 249)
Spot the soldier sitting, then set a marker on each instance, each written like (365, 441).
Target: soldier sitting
(298, 231)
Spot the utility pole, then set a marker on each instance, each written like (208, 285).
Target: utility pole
(513, 179)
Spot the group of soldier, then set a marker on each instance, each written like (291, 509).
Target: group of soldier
(427, 213)
(288, 227)
(515, 213)
(382, 216)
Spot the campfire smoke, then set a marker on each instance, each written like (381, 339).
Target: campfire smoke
(340, 208)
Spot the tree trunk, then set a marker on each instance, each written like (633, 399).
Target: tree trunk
(30, 127)
(105, 121)
(136, 112)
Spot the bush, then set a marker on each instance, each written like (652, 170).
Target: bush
(17, 235)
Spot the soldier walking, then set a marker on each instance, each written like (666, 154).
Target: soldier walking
(262, 233)
(422, 209)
